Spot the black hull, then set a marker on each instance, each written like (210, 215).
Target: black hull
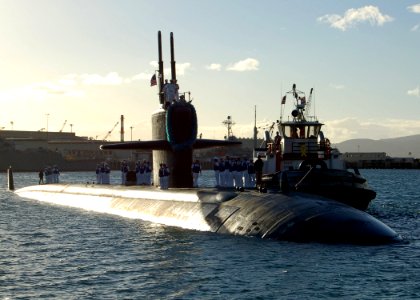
(339, 185)
(295, 217)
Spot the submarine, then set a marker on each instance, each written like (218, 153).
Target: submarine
(293, 216)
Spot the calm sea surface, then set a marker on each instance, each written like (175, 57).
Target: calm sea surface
(56, 252)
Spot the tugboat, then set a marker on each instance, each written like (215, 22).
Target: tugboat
(300, 158)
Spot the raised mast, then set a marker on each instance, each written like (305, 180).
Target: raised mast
(173, 71)
(255, 127)
(161, 95)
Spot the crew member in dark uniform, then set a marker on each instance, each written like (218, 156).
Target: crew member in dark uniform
(216, 171)
(41, 177)
(277, 140)
(196, 170)
(258, 167)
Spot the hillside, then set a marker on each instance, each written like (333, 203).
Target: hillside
(408, 146)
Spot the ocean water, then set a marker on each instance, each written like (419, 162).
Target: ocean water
(55, 252)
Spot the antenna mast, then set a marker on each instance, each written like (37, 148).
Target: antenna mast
(229, 123)
(161, 95)
(255, 127)
(308, 104)
(173, 69)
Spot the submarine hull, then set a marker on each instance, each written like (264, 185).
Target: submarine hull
(297, 217)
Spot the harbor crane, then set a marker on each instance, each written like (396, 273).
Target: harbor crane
(109, 132)
(64, 124)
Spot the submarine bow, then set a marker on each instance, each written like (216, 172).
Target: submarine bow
(297, 217)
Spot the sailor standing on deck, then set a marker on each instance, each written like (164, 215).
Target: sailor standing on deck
(228, 172)
(124, 171)
(243, 167)
(139, 173)
(48, 175)
(165, 94)
(250, 176)
(236, 167)
(258, 166)
(170, 91)
(166, 173)
(106, 175)
(41, 177)
(222, 172)
(277, 141)
(148, 173)
(102, 173)
(137, 170)
(216, 171)
(98, 174)
(196, 170)
(232, 172)
(161, 176)
(56, 174)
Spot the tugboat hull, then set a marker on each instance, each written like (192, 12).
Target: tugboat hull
(339, 185)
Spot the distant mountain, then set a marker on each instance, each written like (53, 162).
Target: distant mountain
(408, 146)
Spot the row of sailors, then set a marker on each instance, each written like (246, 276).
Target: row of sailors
(164, 176)
(143, 172)
(51, 175)
(234, 172)
(103, 173)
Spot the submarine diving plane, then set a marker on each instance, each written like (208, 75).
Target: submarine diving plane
(290, 216)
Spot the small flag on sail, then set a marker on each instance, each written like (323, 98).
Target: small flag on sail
(153, 80)
(283, 101)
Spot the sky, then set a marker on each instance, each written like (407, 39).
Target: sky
(82, 64)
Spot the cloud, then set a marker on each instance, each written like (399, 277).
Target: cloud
(214, 67)
(414, 92)
(353, 128)
(353, 16)
(182, 68)
(70, 85)
(337, 86)
(414, 8)
(112, 78)
(53, 89)
(415, 27)
(140, 76)
(249, 64)
(40, 92)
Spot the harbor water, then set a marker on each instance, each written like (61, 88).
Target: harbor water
(55, 252)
